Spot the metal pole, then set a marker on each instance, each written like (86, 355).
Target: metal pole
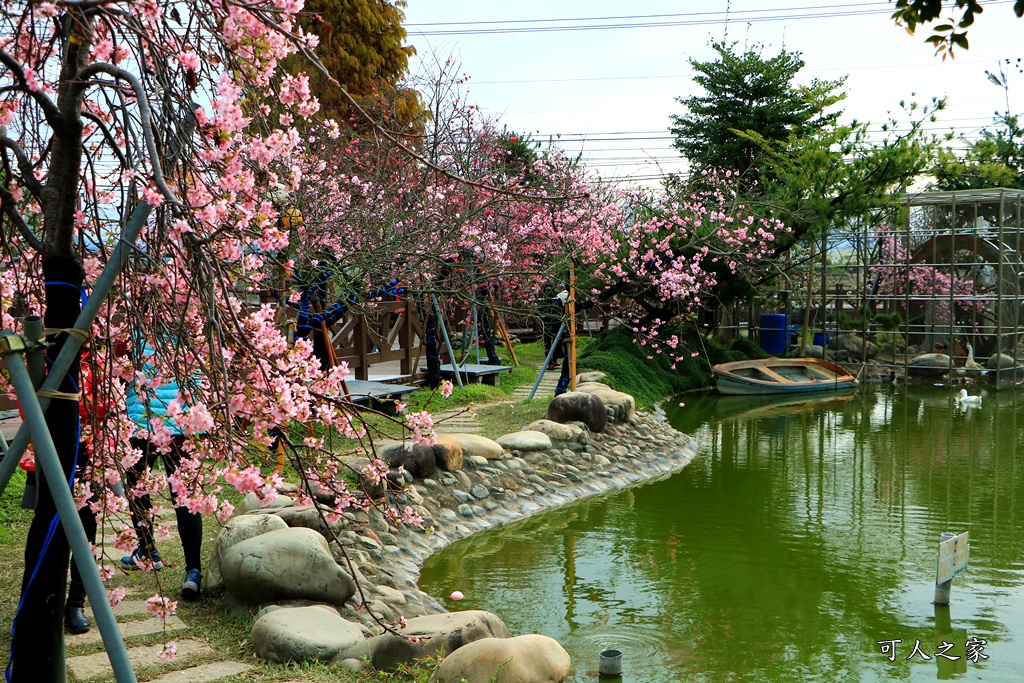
(942, 590)
(447, 342)
(49, 462)
(476, 335)
(572, 327)
(90, 310)
(547, 361)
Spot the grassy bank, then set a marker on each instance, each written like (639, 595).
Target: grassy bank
(649, 376)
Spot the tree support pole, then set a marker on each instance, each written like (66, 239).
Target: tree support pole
(447, 341)
(572, 327)
(63, 362)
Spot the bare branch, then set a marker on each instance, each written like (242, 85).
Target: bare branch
(109, 137)
(28, 177)
(145, 114)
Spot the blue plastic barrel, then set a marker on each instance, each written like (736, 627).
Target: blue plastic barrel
(821, 339)
(774, 333)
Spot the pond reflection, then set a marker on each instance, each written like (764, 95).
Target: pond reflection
(800, 537)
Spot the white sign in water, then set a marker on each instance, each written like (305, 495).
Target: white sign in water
(953, 555)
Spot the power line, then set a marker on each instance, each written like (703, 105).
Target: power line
(675, 20)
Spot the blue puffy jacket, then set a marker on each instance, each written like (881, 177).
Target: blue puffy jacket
(141, 409)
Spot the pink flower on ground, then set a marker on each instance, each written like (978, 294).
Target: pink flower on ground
(457, 595)
(116, 596)
(167, 651)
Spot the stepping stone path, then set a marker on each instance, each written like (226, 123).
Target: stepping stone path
(465, 422)
(196, 660)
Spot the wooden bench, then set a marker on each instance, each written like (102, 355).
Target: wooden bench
(475, 373)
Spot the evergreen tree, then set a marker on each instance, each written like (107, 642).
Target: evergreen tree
(749, 93)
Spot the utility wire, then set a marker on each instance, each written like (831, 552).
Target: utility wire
(675, 20)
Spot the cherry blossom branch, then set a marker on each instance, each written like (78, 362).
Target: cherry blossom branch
(50, 109)
(11, 210)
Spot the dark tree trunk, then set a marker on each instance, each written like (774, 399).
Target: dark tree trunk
(37, 652)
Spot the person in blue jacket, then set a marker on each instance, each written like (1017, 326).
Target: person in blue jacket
(143, 409)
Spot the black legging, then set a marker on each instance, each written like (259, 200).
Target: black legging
(190, 525)
(76, 589)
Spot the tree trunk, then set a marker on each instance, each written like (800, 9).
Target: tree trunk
(37, 652)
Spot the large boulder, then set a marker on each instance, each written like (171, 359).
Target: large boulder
(287, 564)
(575, 406)
(305, 516)
(525, 441)
(591, 387)
(1001, 361)
(448, 453)
(429, 636)
(476, 445)
(531, 658)
(857, 348)
(418, 460)
(592, 376)
(620, 406)
(236, 530)
(301, 634)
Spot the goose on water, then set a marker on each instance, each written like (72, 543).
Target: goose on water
(965, 400)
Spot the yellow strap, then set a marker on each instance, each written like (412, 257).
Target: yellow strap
(81, 335)
(60, 395)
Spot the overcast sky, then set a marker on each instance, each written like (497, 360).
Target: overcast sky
(609, 92)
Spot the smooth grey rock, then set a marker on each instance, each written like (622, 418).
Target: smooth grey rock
(236, 530)
(556, 431)
(436, 633)
(474, 444)
(592, 376)
(286, 564)
(479, 492)
(574, 406)
(530, 658)
(462, 496)
(301, 634)
(525, 441)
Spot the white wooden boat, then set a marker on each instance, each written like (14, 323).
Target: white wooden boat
(782, 376)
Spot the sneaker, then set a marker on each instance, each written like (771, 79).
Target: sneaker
(190, 587)
(140, 559)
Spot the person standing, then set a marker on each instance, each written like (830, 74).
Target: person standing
(144, 408)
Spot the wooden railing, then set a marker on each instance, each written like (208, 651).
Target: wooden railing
(383, 332)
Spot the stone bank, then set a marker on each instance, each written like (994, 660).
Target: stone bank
(322, 596)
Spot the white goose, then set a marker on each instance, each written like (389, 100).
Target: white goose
(965, 400)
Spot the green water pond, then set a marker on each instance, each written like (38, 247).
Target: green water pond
(800, 545)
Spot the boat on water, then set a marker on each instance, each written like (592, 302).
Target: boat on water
(782, 376)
